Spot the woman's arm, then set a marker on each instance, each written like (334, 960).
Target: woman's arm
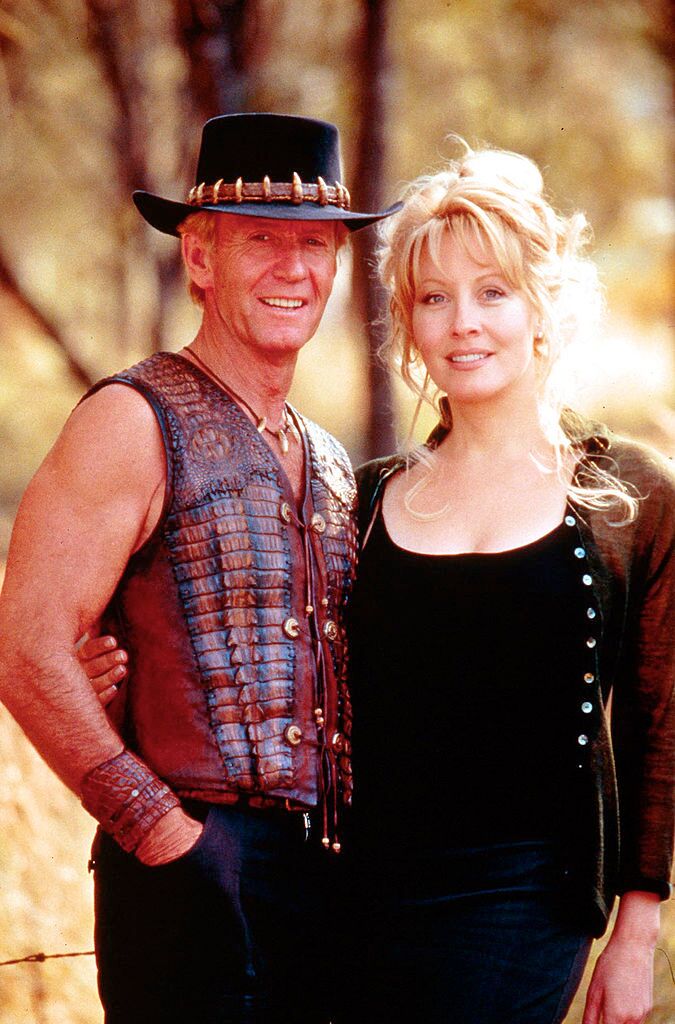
(621, 989)
(643, 731)
(643, 696)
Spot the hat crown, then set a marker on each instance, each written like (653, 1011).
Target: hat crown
(252, 146)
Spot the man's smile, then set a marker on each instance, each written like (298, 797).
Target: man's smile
(279, 303)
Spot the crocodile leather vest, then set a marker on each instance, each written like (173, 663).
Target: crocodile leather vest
(232, 611)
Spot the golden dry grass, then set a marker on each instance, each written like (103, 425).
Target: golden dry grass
(46, 896)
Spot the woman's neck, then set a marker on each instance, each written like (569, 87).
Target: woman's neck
(504, 433)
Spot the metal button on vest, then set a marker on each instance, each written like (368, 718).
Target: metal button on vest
(570, 521)
(579, 553)
(338, 742)
(291, 628)
(591, 642)
(586, 580)
(317, 523)
(587, 707)
(590, 612)
(589, 677)
(330, 629)
(293, 735)
(582, 740)
(285, 512)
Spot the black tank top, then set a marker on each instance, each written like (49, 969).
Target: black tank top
(463, 671)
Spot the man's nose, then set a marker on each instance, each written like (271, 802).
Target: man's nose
(290, 265)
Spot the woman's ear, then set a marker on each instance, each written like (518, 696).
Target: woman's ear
(197, 259)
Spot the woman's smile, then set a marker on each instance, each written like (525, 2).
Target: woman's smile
(473, 329)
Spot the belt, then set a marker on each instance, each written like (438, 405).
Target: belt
(254, 801)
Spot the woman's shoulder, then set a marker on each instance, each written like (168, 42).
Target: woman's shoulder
(370, 477)
(640, 465)
(369, 474)
(650, 478)
(635, 463)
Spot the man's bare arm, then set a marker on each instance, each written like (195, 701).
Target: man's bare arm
(93, 502)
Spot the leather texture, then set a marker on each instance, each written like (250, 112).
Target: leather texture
(126, 798)
(227, 665)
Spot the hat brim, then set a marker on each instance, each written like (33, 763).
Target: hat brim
(166, 215)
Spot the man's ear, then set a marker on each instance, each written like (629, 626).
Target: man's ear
(197, 259)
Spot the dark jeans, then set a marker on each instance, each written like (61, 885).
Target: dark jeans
(473, 936)
(238, 931)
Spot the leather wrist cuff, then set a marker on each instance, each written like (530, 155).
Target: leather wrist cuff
(126, 798)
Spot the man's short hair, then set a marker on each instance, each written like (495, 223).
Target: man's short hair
(203, 225)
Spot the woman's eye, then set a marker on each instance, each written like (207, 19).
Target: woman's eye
(432, 299)
(493, 293)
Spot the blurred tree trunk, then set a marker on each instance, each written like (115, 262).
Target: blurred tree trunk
(369, 296)
(216, 43)
(114, 36)
(219, 43)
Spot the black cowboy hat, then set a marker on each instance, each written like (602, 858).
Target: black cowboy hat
(264, 165)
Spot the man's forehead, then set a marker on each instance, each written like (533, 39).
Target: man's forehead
(235, 225)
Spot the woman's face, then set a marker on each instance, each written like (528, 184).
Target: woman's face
(474, 331)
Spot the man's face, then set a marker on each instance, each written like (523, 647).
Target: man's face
(269, 281)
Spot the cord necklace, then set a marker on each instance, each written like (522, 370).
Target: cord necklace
(281, 433)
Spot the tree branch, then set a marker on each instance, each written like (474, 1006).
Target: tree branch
(10, 284)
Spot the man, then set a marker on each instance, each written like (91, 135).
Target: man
(211, 525)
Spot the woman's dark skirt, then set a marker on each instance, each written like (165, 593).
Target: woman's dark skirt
(470, 936)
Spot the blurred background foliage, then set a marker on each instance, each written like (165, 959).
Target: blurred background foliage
(98, 97)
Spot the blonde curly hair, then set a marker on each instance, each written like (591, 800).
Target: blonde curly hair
(493, 202)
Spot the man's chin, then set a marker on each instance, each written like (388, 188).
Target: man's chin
(289, 339)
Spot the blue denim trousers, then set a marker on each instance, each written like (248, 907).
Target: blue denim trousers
(237, 931)
(469, 936)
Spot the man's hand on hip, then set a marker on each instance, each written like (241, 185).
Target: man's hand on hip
(172, 837)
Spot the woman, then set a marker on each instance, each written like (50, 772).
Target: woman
(514, 572)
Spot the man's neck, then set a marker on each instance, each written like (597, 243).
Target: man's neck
(260, 382)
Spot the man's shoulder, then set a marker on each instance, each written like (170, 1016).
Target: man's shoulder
(149, 374)
(127, 404)
(320, 436)
(331, 461)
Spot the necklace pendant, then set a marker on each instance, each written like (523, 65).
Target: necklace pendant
(261, 425)
(283, 441)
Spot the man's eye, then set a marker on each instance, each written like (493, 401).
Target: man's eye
(260, 236)
(318, 242)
